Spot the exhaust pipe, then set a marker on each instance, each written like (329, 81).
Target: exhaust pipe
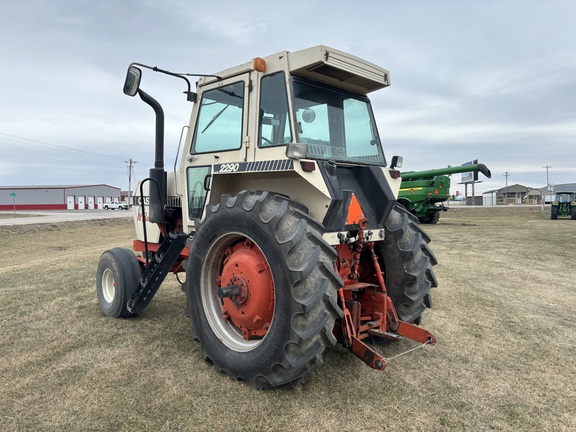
(157, 190)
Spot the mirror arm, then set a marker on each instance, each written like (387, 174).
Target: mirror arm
(188, 92)
(190, 95)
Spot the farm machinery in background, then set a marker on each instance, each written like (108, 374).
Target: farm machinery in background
(423, 193)
(564, 205)
(282, 213)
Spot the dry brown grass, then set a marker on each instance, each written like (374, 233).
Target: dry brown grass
(504, 315)
(6, 215)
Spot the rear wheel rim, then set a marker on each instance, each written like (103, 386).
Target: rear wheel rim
(240, 322)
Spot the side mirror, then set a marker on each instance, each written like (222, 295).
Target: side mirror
(396, 162)
(132, 82)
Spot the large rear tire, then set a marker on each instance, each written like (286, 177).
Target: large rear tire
(280, 318)
(117, 277)
(408, 264)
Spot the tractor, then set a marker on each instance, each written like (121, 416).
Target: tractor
(564, 205)
(423, 192)
(282, 212)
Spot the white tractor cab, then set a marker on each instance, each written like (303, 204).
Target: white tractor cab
(282, 211)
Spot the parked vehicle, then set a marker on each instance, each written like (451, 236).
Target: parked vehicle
(424, 192)
(116, 205)
(564, 205)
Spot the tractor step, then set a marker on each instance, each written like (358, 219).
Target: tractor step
(156, 271)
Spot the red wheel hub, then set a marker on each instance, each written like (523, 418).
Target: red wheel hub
(252, 309)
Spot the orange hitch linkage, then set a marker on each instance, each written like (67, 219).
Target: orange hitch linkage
(367, 308)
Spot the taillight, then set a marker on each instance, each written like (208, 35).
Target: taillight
(394, 174)
(307, 166)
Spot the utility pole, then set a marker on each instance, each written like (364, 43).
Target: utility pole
(547, 167)
(130, 163)
(506, 174)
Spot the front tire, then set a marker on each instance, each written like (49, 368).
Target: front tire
(408, 263)
(554, 213)
(280, 318)
(117, 277)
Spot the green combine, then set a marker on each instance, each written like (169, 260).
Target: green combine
(423, 192)
(564, 205)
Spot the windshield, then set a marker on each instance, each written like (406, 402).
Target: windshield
(564, 197)
(336, 125)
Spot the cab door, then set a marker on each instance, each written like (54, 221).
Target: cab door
(219, 139)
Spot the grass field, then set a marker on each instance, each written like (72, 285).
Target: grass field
(504, 316)
(15, 215)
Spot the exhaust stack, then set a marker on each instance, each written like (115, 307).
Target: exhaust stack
(157, 174)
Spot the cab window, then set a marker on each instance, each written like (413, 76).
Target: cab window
(219, 124)
(197, 190)
(274, 126)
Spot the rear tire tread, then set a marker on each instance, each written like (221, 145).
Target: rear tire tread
(313, 297)
(408, 263)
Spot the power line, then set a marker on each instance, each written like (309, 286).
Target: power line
(58, 146)
(62, 156)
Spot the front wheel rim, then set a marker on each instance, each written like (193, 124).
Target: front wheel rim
(108, 286)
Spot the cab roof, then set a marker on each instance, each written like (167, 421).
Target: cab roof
(319, 63)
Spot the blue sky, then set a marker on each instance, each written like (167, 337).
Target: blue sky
(488, 80)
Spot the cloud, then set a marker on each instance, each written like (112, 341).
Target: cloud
(487, 80)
